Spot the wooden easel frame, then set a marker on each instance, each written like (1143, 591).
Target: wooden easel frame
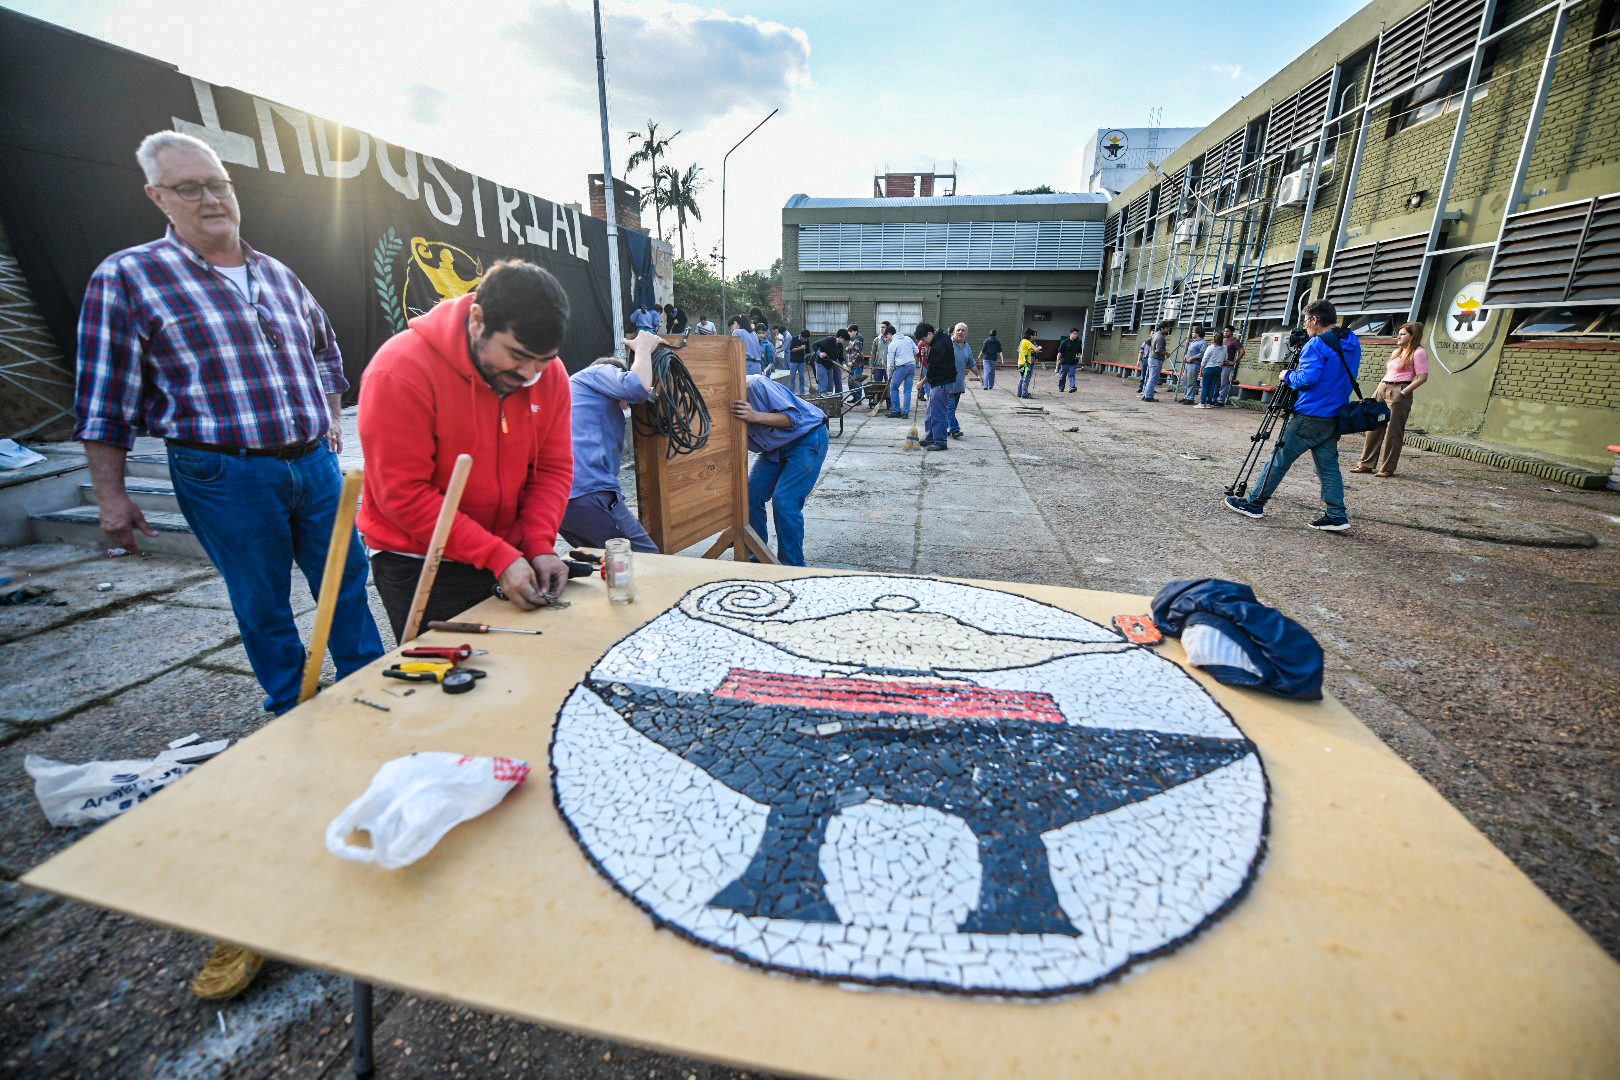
(683, 500)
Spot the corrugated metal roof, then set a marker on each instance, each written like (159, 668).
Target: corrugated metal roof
(1063, 198)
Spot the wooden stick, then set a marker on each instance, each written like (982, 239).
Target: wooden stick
(337, 554)
(435, 552)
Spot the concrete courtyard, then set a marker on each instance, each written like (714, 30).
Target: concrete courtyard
(1470, 618)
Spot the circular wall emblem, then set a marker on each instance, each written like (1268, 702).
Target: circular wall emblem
(1113, 143)
(908, 782)
(1464, 329)
(1466, 318)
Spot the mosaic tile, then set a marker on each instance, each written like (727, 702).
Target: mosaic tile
(909, 783)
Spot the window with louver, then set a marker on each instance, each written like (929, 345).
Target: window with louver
(1299, 119)
(1262, 292)
(956, 245)
(1426, 43)
(1567, 254)
(1376, 277)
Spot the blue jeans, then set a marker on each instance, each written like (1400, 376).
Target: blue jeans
(1024, 379)
(796, 380)
(1319, 435)
(1226, 382)
(786, 483)
(1190, 375)
(255, 517)
(829, 380)
(989, 374)
(1066, 374)
(594, 518)
(1155, 365)
(950, 410)
(900, 383)
(1212, 382)
(936, 426)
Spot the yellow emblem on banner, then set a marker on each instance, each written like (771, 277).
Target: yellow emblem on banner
(437, 271)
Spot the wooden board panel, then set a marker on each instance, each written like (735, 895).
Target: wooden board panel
(692, 497)
(1384, 935)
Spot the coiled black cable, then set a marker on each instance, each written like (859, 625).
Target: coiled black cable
(676, 410)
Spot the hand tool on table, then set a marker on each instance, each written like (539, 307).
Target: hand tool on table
(474, 628)
(435, 551)
(430, 672)
(444, 652)
(337, 554)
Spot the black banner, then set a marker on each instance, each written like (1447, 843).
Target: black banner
(378, 233)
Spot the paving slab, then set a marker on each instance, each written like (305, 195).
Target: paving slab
(59, 671)
(79, 582)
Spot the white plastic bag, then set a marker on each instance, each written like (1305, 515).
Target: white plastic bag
(413, 801)
(98, 790)
(15, 456)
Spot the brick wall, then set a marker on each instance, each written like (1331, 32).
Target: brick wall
(1559, 376)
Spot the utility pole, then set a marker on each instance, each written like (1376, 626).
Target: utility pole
(607, 191)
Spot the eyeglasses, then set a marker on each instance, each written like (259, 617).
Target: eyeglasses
(192, 191)
(271, 334)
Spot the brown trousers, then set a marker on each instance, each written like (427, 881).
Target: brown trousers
(1388, 437)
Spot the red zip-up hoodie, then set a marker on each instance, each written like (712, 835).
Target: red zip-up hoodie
(421, 404)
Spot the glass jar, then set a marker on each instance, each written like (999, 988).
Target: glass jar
(621, 580)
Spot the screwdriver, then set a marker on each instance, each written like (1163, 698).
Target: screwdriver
(474, 628)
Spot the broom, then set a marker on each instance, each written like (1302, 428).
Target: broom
(912, 442)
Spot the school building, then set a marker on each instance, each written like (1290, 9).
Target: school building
(995, 262)
(1455, 163)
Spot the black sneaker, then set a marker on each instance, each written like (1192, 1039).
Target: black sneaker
(1250, 510)
(935, 446)
(1327, 524)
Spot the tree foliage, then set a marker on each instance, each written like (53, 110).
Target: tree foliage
(697, 289)
(1044, 189)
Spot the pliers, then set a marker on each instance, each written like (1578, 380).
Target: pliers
(428, 671)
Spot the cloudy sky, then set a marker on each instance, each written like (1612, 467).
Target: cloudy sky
(1008, 92)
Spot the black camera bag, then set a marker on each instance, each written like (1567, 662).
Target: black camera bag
(1363, 414)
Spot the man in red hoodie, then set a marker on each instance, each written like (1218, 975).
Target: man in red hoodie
(475, 375)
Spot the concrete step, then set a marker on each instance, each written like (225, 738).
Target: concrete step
(152, 466)
(40, 486)
(149, 494)
(81, 526)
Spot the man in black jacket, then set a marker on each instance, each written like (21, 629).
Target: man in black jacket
(830, 358)
(941, 374)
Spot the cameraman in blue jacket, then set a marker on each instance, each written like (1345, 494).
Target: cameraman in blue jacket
(1324, 384)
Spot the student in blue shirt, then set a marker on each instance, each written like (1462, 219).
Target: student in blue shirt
(596, 511)
(790, 436)
(767, 353)
(644, 318)
(740, 331)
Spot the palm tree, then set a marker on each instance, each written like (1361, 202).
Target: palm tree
(679, 193)
(652, 147)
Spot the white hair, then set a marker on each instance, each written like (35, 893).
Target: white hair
(157, 142)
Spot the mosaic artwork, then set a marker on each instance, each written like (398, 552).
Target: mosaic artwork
(908, 782)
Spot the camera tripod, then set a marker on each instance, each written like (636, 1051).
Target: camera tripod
(1280, 408)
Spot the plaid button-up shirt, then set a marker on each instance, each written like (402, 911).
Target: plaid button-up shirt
(166, 342)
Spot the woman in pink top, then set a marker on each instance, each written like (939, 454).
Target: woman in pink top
(1408, 369)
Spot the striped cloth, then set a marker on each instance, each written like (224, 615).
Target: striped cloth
(167, 343)
(1208, 647)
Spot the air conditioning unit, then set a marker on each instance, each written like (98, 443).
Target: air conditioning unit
(1108, 315)
(1119, 261)
(1171, 308)
(1187, 233)
(1274, 348)
(1295, 187)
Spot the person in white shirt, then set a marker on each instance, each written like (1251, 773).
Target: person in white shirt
(902, 368)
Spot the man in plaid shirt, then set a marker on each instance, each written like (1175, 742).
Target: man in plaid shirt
(224, 354)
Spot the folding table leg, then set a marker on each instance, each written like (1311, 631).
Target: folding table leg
(361, 1029)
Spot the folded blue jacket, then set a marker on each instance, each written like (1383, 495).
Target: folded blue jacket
(1289, 658)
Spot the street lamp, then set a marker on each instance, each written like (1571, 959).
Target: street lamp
(723, 161)
(608, 193)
